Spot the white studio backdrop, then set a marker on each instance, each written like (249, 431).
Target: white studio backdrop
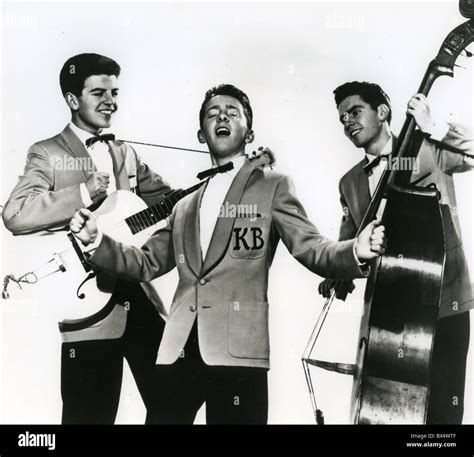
(288, 57)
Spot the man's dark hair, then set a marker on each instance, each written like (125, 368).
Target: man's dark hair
(369, 92)
(231, 91)
(78, 68)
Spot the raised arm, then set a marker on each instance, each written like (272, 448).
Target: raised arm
(449, 143)
(155, 258)
(322, 256)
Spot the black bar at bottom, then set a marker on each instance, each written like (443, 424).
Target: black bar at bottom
(15, 439)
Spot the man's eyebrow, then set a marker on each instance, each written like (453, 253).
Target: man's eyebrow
(101, 89)
(349, 111)
(218, 107)
(213, 107)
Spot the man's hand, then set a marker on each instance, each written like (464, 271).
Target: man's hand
(371, 242)
(419, 108)
(84, 226)
(341, 286)
(97, 184)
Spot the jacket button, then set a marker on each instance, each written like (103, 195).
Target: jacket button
(202, 281)
(192, 308)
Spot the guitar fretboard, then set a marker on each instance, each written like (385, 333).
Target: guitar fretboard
(156, 213)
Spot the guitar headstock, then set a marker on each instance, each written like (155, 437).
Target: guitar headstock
(262, 158)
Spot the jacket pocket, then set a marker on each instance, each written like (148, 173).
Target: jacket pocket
(248, 330)
(249, 238)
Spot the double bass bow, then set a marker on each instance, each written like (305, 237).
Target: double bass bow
(391, 375)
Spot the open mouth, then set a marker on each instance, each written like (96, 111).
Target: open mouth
(106, 111)
(354, 132)
(222, 131)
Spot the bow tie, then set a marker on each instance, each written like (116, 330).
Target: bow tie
(93, 139)
(213, 171)
(371, 165)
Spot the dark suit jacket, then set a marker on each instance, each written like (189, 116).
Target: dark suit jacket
(47, 195)
(227, 291)
(437, 163)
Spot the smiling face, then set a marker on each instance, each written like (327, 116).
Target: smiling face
(94, 109)
(363, 125)
(224, 128)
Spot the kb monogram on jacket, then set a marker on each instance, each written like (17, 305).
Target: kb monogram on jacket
(248, 238)
(249, 235)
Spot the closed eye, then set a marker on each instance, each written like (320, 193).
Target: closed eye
(212, 113)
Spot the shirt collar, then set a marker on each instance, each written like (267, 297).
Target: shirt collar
(81, 134)
(238, 164)
(387, 149)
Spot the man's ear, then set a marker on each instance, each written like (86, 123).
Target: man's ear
(201, 137)
(250, 136)
(71, 101)
(383, 111)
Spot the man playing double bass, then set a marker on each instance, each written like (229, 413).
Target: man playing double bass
(365, 113)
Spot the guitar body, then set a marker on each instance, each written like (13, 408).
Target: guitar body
(60, 271)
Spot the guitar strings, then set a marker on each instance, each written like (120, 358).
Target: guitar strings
(165, 146)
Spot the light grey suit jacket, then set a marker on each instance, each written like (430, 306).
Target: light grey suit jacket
(47, 195)
(227, 291)
(438, 162)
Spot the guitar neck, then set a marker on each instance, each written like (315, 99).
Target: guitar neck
(156, 213)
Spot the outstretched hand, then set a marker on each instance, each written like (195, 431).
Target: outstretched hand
(371, 243)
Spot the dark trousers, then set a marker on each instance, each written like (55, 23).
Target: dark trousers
(448, 370)
(91, 380)
(233, 395)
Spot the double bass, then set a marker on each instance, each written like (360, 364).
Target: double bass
(391, 375)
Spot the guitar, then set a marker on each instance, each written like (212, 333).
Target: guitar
(66, 282)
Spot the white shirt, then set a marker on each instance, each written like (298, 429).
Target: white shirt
(212, 200)
(102, 159)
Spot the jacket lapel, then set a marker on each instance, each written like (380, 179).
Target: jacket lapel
(223, 229)
(192, 243)
(362, 192)
(76, 148)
